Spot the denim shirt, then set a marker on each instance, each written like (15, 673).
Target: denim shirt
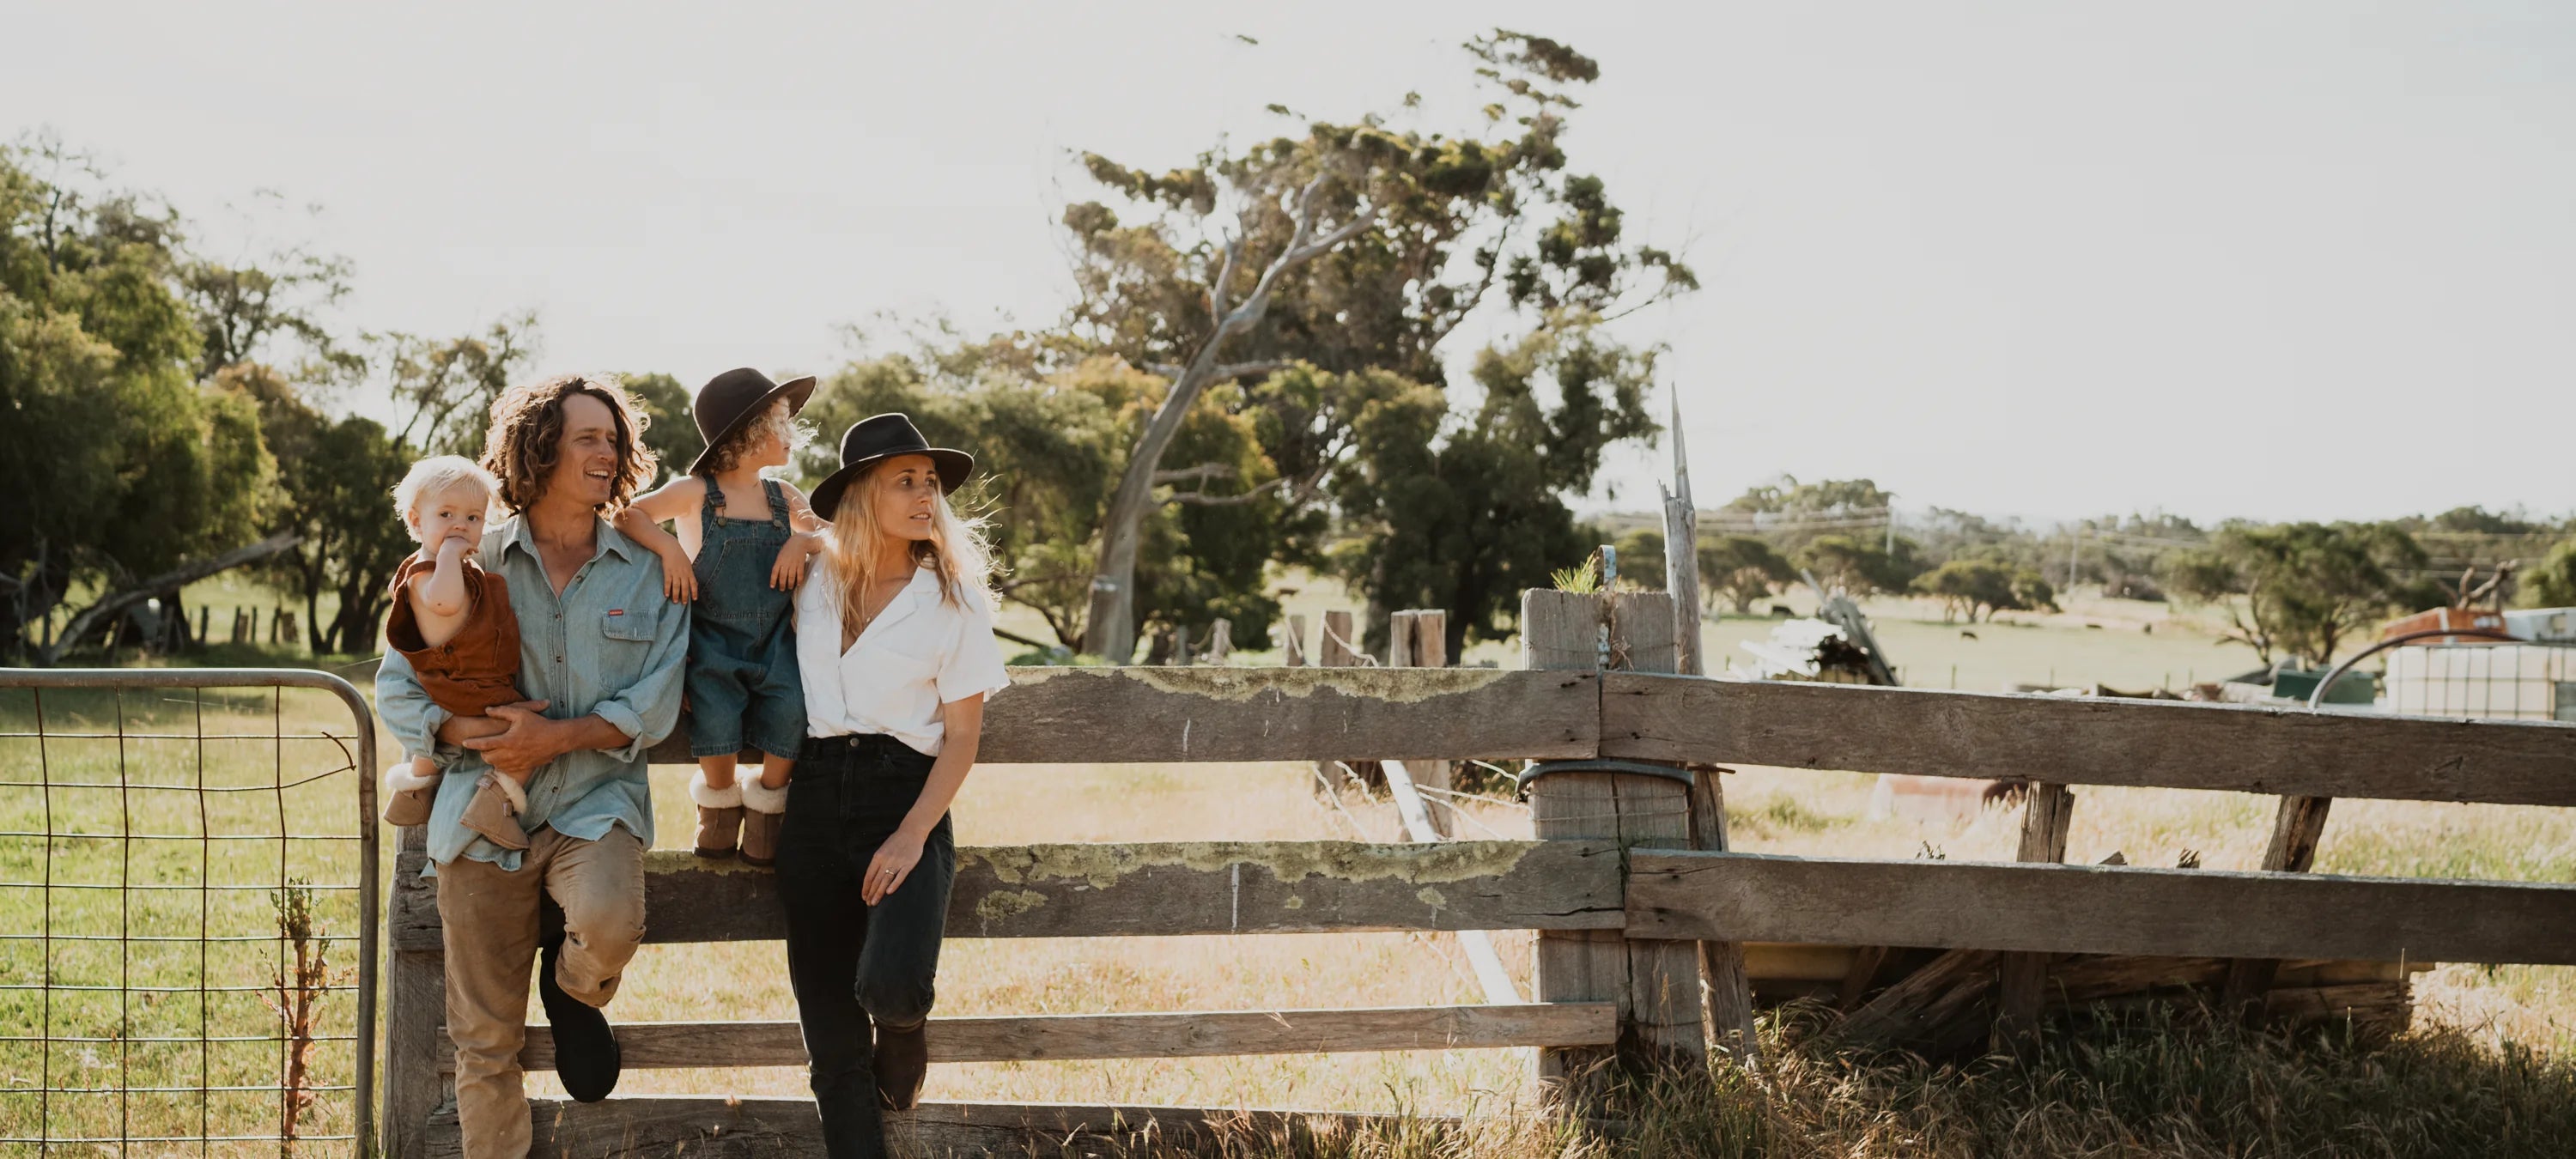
(611, 645)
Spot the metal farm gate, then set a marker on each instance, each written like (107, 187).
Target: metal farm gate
(188, 913)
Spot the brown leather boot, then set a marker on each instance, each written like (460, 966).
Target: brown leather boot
(494, 811)
(764, 811)
(719, 815)
(902, 1061)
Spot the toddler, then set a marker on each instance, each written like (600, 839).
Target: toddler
(741, 550)
(452, 620)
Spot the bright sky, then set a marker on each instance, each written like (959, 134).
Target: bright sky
(2272, 260)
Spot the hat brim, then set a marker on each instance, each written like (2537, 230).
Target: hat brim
(954, 467)
(794, 390)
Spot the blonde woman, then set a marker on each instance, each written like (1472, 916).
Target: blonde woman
(894, 633)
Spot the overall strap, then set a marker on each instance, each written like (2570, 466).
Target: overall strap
(712, 505)
(777, 501)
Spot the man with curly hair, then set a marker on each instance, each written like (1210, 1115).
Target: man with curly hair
(602, 656)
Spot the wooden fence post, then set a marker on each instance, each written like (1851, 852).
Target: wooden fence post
(1292, 653)
(1336, 649)
(1655, 983)
(2296, 829)
(1430, 638)
(415, 1009)
(2021, 979)
(1399, 639)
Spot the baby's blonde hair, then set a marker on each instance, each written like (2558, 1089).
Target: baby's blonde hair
(435, 474)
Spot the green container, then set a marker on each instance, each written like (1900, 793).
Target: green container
(2299, 685)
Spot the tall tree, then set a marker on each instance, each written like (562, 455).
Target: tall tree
(141, 470)
(2299, 588)
(1741, 569)
(445, 387)
(1465, 517)
(1445, 222)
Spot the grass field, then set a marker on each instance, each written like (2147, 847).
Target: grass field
(2485, 1070)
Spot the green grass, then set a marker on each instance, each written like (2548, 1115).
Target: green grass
(136, 855)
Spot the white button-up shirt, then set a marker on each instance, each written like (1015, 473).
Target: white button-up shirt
(919, 653)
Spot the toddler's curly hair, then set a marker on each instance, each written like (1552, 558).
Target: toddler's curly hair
(728, 453)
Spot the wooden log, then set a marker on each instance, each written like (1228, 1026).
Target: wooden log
(2098, 909)
(1339, 648)
(2088, 741)
(415, 1011)
(1939, 1008)
(2021, 979)
(2296, 829)
(1056, 1037)
(1857, 979)
(1145, 715)
(633, 1127)
(1158, 889)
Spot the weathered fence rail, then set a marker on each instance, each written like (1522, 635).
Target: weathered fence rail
(1627, 878)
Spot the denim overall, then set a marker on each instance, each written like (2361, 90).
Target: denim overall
(744, 689)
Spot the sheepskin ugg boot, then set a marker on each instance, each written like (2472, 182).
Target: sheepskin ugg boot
(719, 814)
(494, 811)
(409, 792)
(764, 810)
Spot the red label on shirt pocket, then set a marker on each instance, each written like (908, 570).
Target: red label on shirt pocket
(617, 611)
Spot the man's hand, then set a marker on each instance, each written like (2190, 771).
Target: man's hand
(459, 729)
(529, 741)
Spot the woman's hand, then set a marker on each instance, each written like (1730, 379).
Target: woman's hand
(679, 575)
(892, 865)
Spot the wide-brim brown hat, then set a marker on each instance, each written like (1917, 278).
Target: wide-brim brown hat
(734, 398)
(876, 438)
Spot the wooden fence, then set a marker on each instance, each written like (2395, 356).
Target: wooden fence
(1643, 916)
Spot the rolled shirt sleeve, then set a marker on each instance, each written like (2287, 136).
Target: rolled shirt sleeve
(974, 660)
(647, 710)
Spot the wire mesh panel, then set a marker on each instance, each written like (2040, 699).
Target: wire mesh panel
(188, 907)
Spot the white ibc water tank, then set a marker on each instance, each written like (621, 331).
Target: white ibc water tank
(2494, 681)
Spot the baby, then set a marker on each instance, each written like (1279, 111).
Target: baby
(452, 620)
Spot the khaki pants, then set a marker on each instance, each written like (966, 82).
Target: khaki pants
(490, 916)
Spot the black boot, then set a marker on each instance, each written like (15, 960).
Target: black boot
(586, 1056)
(902, 1061)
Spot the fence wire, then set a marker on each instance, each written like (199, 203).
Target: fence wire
(188, 911)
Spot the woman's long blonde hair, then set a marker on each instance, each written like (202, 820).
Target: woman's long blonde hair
(957, 549)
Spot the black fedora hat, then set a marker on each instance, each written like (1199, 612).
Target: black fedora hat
(734, 398)
(880, 437)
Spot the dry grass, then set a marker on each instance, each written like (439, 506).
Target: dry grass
(2483, 1073)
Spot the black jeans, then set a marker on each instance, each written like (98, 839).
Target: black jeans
(853, 965)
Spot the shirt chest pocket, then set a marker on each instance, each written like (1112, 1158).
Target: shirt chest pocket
(624, 640)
